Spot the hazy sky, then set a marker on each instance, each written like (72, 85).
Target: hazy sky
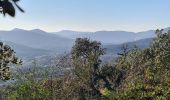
(90, 15)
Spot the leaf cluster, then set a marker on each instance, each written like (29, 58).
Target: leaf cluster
(9, 7)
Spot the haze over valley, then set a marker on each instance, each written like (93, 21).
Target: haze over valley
(38, 44)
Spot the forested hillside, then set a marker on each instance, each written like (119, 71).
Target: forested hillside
(135, 74)
(88, 60)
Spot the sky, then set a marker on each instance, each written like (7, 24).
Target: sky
(90, 15)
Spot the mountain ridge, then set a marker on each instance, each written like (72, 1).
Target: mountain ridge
(47, 43)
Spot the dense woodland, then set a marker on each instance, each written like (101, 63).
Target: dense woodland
(136, 74)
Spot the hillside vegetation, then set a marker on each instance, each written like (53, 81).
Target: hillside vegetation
(136, 74)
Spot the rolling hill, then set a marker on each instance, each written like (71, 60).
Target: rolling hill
(37, 39)
(33, 43)
(26, 52)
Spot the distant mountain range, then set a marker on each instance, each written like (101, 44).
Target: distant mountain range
(114, 49)
(32, 43)
(35, 42)
(25, 51)
(109, 37)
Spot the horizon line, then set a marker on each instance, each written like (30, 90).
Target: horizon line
(80, 30)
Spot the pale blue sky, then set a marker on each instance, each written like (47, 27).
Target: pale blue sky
(90, 15)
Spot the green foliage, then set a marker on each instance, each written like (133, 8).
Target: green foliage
(28, 90)
(137, 74)
(148, 71)
(86, 59)
(7, 57)
(7, 7)
(91, 75)
(28, 86)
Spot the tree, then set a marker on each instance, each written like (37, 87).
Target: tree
(148, 71)
(86, 60)
(7, 57)
(93, 77)
(86, 57)
(8, 7)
